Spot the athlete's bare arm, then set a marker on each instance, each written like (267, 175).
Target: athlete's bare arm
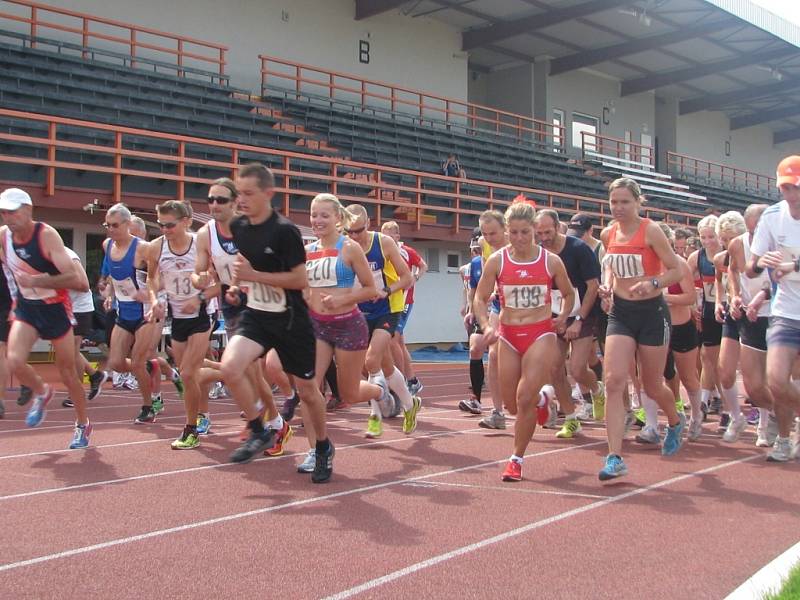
(392, 254)
(153, 255)
(68, 277)
(563, 284)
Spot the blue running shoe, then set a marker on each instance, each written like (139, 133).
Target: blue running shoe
(80, 439)
(673, 438)
(615, 467)
(39, 408)
(203, 424)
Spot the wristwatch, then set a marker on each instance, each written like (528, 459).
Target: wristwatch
(387, 289)
(655, 282)
(578, 318)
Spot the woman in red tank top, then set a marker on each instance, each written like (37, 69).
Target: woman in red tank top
(524, 274)
(639, 263)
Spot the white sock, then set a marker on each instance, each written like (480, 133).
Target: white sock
(397, 383)
(542, 399)
(650, 410)
(517, 459)
(374, 405)
(731, 397)
(694, 402)
(763, 418)
(276, 423)
(705, 397)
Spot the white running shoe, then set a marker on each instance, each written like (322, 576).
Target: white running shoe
(735, 429)
(648, 435)
(695, 429)
(781, 451)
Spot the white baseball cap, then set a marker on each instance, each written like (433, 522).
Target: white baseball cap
(13, 198)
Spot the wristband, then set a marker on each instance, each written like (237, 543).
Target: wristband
(758, 270)
(388, 290)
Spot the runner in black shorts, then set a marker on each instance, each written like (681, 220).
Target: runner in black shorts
(271, 269)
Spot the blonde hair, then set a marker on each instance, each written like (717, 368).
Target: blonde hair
(345, 216)
(628, 184)
(390, 225)
(707, 222)
(492, 215)
(732, 222)
(520, 211)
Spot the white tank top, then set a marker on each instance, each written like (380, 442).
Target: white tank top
(16, 266)
(222, 256)
(751, 287)
(176, 276)
(82, 302)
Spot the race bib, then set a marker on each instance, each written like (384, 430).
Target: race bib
(124, 289)
(178, 285)
(261, 296)
(556, 300)
(377, 277)
(224, 268)
(322, 272)
(625, 266)
(525, 296)
(710, 290)
(790, 254)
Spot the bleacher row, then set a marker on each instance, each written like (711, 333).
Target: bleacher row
(69, 85)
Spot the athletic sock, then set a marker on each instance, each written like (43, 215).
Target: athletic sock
(397, 383)
(476, 376)
(694, 402)
(517, 459)
(374, 405)
(256, 425)
(276, 423)
(731, 397)
(763, 418)
(650, 407)
(322, 446)
(705, 397)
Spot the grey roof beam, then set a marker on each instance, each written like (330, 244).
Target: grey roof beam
(779, 137)
(765, 116)
(713, 101)
(506, 29)
(369, 8)
(651, 82)
(595, 56)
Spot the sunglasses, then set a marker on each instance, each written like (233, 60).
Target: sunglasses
(112, 225)
(218, 199)
(355, 231)
(170, 225)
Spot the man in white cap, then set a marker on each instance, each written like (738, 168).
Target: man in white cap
(43, 271)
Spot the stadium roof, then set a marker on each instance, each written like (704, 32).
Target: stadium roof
(727, 55)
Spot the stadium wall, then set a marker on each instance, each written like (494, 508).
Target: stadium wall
(419, 53)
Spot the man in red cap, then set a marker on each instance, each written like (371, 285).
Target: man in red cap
(776, 246)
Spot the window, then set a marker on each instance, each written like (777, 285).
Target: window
(453, 262)
(588, 124)
(67, 236)
(94, 256)
(432, 258)
(647, 140)
(558, 121)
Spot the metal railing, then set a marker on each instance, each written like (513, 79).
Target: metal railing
(689, 167)
(298, 78)
(169, 48)
(604, 145)
(425, 198)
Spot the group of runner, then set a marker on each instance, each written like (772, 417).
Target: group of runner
(554, 307)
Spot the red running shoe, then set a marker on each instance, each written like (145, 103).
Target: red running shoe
(543, 412)
(281, 437)
(513, 471)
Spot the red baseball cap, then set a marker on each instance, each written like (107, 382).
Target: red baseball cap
(789, 171)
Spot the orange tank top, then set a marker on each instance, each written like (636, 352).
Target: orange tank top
(633, 258)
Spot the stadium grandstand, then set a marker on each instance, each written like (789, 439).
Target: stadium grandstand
(137, 102)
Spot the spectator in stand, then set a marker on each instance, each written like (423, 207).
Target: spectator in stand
(452, 168)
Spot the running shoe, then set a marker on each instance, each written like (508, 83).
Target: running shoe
(309, 462)
(374, 427)
(117, 380)
(323, 467)
(397, 407)
(416, 387)
(753, 416)
(641, 418)
(2, 409)
(289, 406)
(715, 406)
(735, 429)
(333, 403)
(599, 403)
(474, 407)
(39, 408)
(255, 445)
(146, 415)
(203, 424)
(67, 403)
(513, 471)
(25, 395)
(630, 420)
(704, 409)
(570, 428)
(130, 382)
(80, 438)
(695, 429)
(280, 440)
(96, 381)
(464, 404)
(216, 391)
(188, 440)
(679, 405)
(175, 376)
(615, 467)
(495, 420)
(585, 412)
(158, 403)
(545, 415)
(552, 417)
(673, 437)
(387, 401)
(781, 451)
(724, 421)
(410, 415)
(648, 435)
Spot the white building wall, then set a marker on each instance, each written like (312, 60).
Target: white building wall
(419, 53)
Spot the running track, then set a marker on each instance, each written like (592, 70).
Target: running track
(424, 516)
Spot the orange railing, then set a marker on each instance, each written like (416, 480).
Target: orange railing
(593, 144)
(178, 52)
(297, 78)
(691, 167)
(423, 197)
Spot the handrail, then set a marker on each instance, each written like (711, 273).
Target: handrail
(198, 50)
(426, 106)
(683, 165)
(457, 194)
(615, 148)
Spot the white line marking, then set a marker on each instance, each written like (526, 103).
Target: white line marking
(770, 578)
(435, 560)
(261, 511)
(507, 488)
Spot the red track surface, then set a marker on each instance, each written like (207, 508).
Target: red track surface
(424, 516)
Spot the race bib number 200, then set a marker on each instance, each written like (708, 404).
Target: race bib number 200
(626, 266)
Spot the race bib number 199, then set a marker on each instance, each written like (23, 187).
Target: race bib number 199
(525, 296)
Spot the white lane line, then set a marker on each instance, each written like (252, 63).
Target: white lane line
(441, 558)
(261, 511)
(770, 578)
(221, 465)
(507, 488)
